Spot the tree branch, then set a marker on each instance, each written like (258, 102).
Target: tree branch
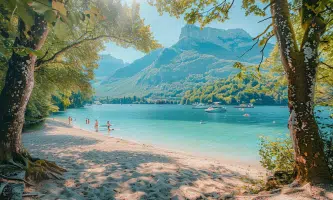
(223, 3)
(218, 5)
(250, 48)
(262, 50)
(258, 36)
(45, 55)
(323, 77)
(327, 65)
(57, 54)
(265, 19)
(268, 5)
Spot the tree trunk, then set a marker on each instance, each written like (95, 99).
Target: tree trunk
(18, 87)
(310, 162)
(301, 65)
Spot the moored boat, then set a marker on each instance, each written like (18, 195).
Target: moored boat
(250, 105)
(97, 103)
(200, 106)
(216, 109)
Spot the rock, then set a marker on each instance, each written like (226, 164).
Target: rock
(279, 178)
(271, 183)
(275, 191)
(294, 184)
(215, 195)
(283, 177)
(227, 196)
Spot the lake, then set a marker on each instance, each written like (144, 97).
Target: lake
(177, 127)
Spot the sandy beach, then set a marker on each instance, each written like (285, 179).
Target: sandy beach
(103, 167)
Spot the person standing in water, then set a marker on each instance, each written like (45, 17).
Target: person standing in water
(109, 126)
(69, 120)
(96, 126)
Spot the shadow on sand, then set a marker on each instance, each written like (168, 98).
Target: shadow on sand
(120, 174)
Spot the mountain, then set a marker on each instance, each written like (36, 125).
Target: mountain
(137, 65)
(199, 56)
(107, 66)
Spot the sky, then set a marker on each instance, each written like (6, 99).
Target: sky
(166, 29)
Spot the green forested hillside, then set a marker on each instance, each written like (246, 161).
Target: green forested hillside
(236, 91)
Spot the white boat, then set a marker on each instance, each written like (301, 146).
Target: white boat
(97, 103)
(200, 106)
(250, 105)
(216, 109)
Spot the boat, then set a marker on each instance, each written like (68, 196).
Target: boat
(200, 106)
(216, 105)
(97, 103)
(216, 109)
(250, 105)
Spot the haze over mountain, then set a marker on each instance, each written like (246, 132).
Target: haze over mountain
(107, 66)
(198, 57)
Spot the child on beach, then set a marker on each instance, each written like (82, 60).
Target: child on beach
(109, 126)
(96, 126)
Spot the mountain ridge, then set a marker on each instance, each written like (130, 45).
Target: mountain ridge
(200, 56)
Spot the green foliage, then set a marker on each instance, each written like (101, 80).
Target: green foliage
(277, 155)
(235, 91)
(76, 32)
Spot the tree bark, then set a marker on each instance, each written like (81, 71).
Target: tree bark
(301, 66)
(19, 84)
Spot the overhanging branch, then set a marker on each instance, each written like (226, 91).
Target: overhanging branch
(267, 28)
(250, 48)
(263, 49)
(41, 62)
(265, 19)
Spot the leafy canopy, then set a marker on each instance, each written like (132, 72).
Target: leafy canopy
(77, 31)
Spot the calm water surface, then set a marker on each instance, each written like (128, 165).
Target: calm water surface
(177, 127)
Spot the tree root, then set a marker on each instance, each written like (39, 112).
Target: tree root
(16, 179)
(43, 169)
(36, 169)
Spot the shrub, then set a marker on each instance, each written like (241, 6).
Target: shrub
(276, 154)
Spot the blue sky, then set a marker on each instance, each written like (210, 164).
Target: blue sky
(167, 29)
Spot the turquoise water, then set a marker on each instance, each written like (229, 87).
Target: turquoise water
(177, 127)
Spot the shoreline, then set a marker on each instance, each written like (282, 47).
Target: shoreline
(104, 167)
(222, 158)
